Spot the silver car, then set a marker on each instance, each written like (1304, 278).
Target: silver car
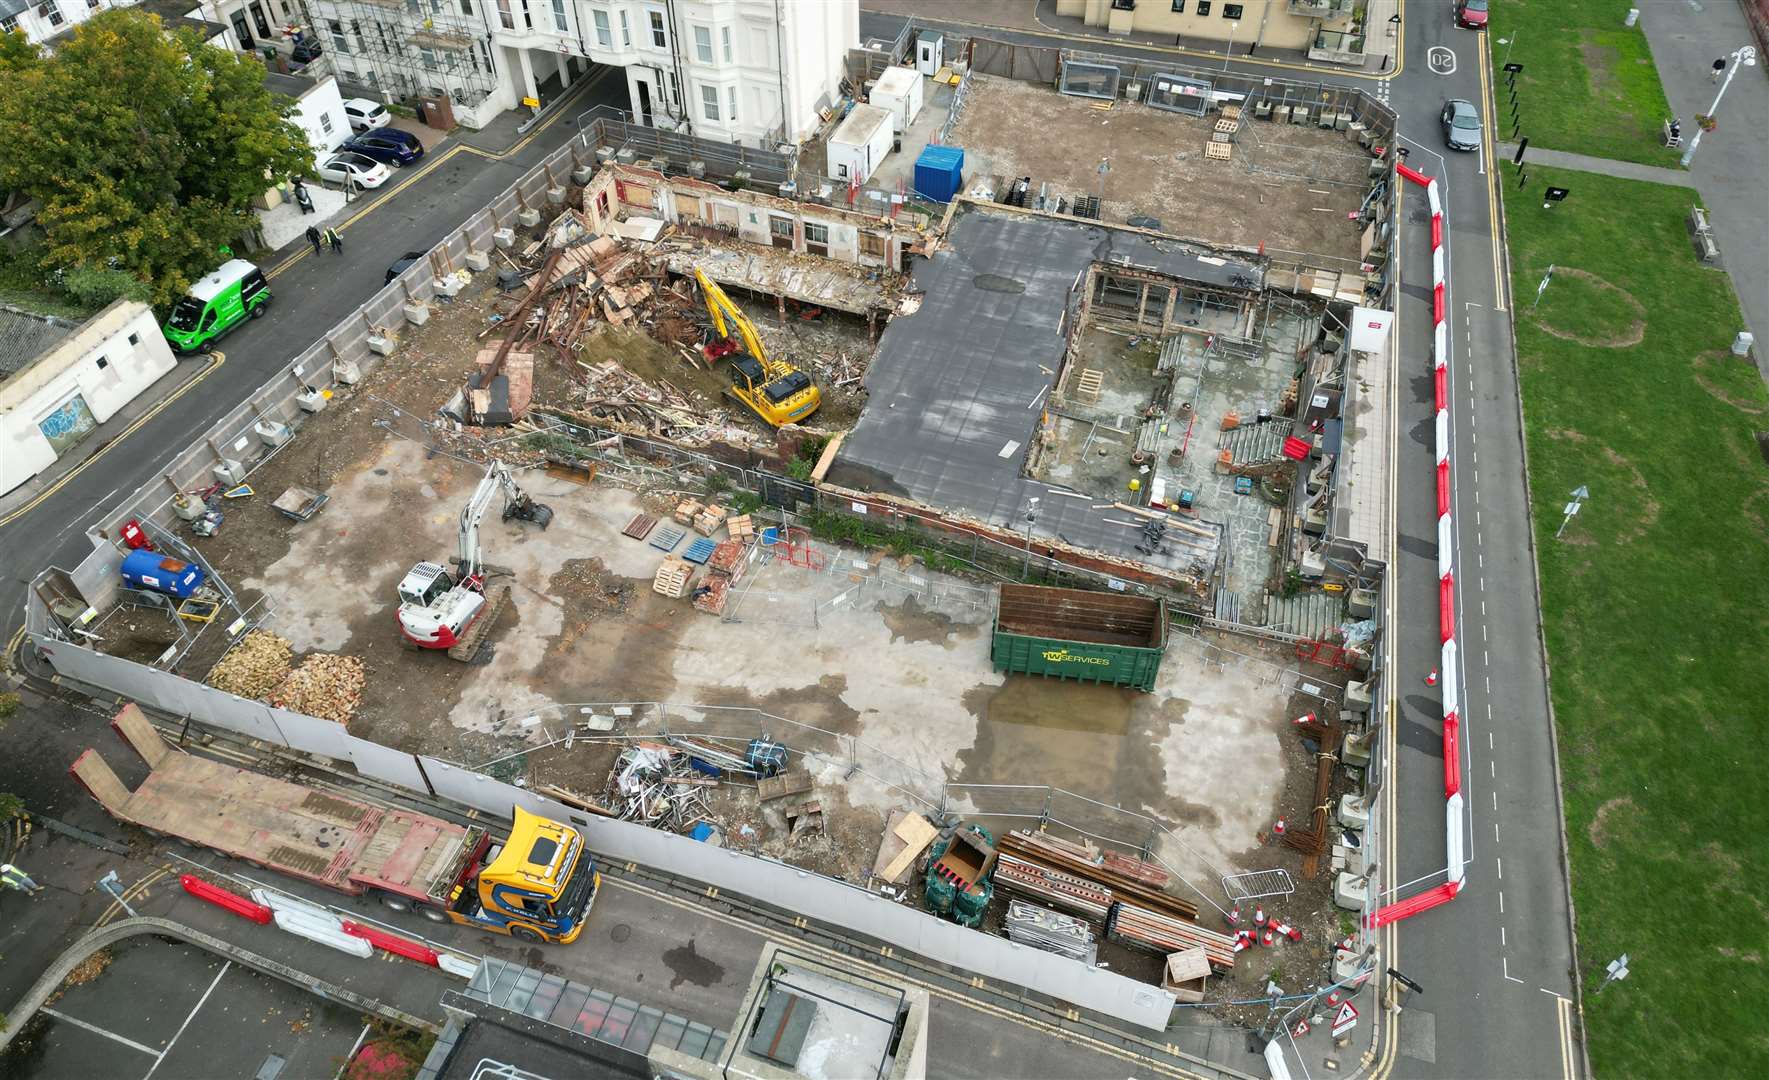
(1461, 124)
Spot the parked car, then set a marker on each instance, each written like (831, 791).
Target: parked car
(306, 52)
(405, 263)
(383, 147)
(1471, 14)
(366, 115)
(1461, 124)
(366, 172)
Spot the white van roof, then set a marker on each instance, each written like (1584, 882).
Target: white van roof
(226, 274)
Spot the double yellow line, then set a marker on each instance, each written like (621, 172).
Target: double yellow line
(1489, 150)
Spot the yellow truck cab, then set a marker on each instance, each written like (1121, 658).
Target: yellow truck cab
(234, 292)
(533, 886)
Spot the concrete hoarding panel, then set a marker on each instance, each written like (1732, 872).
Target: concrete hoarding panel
(160, 690)
(385, 763)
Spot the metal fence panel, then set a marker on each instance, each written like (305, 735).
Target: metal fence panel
(1081, 79)
(1176, 93)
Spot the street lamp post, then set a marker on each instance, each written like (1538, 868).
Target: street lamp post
(1230, 51)
(1746, 57)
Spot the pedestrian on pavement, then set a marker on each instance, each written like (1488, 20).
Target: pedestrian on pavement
(13, 877)
(313, 238)
(1719, 70)
(335, 240)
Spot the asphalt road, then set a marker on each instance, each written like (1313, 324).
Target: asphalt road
(1497, 963)
(311, 294)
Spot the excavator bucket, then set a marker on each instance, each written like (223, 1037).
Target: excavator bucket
(526, 509)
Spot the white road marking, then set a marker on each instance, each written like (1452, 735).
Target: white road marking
(193, 1015)
(1505, 969)
(1501, 892)
(96, 1030)
(1496, 840)
(1552, 994)
(1501, 867)
(1501, 937)
(1489, 746)
(1492, 770)
(1495, 801)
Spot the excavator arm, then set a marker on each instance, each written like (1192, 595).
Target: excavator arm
(728, 316)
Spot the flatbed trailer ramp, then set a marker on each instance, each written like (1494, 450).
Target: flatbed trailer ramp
(327, 839)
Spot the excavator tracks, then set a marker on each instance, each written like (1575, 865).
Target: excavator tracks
(496, 596)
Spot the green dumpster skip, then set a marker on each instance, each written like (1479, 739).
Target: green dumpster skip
(1075, 634)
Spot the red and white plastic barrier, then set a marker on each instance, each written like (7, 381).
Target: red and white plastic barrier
(1446, 577)
(225, 898)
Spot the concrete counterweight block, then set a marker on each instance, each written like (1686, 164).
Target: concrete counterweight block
(556, 195)
(504, 238)
(477, 261)
(529, 218)
(448, 286)
(581, 175)
(417, 314)
(381, 344)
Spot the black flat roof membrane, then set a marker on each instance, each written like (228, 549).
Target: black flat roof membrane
(957, 387)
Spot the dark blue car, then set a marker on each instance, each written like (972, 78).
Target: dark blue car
(390, 146)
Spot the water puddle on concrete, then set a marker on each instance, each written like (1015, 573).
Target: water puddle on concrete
(911, 623)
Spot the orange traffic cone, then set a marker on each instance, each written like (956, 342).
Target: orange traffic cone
(1431, 679)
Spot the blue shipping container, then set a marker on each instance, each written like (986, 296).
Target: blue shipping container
(939, 172)
(144, 569)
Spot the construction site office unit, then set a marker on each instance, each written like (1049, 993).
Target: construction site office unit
(538, 885)
(235, 292)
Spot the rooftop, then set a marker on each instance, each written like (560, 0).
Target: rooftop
(862, 121)
(25, 336)
(956, 387)
(295, 86)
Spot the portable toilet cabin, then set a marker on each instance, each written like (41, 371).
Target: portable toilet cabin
(158, 572)
(939, 172)
(898, 91)
(930, 53)
(859, 143)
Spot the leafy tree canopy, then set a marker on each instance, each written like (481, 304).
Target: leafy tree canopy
(145, 148)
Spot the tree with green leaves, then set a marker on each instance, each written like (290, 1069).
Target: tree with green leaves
(145, 148)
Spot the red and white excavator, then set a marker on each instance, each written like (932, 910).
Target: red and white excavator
(440, 609)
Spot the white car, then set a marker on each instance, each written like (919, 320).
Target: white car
(364, 172)
(366, 115)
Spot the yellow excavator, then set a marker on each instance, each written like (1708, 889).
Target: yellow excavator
(772, 389)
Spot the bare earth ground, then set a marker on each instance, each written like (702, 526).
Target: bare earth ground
(885, 693)
(1158, 168)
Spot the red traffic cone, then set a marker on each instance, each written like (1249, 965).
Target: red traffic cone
(1234, 915)
(1258, 916)
(1278, 827)
(1333, 998)
(1266, 938)
(1287, 930)
(1305, 718)
(1431, 679)
(1243, 939)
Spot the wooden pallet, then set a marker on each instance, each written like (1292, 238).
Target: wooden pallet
(709, 520)
(742, 529)
(673, 578)
(1226, 126)
(699, 551)
(1231, 112)
(640, 527)
(687, 510)
(1218, 151)
(1087, 386)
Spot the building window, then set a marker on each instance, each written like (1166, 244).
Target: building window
(1231, 11)
(1124, 5)
(709, 102)
(731, 100)
(435, 7)
(626, 31)
(604, 37)
(559, 17)
(815, 233)
(52, 12)
(659, 39)
(103, 362)
(725, 42)
(873, 244)
(505, 16)
(337, 31)
(675, 92)
(1179, 7)
(8, 24)
(780, 228)
(1203, 7)
(428, 56)
(412, 6)
(703, 44)
(134, 339)
(466, 7)
(325, 125)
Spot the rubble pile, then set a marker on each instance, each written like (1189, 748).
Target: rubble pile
(659, 786)
(255, 666)
(326, 685)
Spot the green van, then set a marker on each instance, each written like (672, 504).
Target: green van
(216, 304)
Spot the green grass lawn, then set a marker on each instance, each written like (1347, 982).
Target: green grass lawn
(1656, 608)
(1588, 83)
